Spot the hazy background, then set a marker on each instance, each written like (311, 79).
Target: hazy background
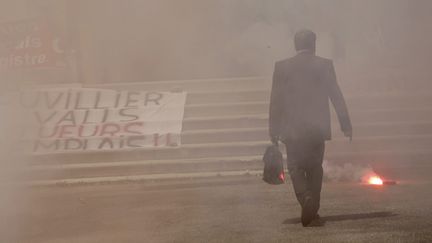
(141, 40)
(147, 40)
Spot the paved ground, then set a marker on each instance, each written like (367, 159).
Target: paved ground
(231, 209)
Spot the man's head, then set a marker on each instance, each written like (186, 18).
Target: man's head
(305, 40)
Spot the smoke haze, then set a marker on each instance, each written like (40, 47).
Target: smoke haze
(134, 40)
(121, 41)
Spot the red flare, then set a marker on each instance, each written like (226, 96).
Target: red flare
(282, 176)
(375, 180)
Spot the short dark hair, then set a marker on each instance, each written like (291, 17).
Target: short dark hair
(305, 40)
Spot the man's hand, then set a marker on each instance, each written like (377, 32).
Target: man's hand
(348, 134)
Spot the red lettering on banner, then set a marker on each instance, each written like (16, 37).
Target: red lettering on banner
(89, 119)
(110, 129)
(88, 131)
(81, 131)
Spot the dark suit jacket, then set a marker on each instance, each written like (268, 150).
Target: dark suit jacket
(301, 90)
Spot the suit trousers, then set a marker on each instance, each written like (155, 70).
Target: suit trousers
(304, 159)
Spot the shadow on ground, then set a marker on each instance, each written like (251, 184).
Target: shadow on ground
(344, 217)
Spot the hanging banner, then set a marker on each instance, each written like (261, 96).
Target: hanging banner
(71, 120)
(29, 44)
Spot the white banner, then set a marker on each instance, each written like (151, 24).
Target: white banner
(73, 120)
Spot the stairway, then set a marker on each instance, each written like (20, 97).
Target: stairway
(225, 131)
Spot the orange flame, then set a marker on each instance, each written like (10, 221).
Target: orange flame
(375, 180)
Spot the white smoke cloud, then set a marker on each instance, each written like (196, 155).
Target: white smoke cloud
(346, 172)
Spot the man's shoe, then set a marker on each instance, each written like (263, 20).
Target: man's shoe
(317, 222)
(307, 215)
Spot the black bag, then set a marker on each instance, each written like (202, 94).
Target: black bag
(273, 166)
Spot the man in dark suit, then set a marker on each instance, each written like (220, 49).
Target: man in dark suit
(300, 118)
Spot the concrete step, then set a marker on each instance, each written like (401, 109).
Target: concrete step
(214, 164)
(395, 143)
(189, 151)
(261, 105)
(252, 89)
(389, 101)
(193, 86)
(226, 109)
(371, 101)
(225, 130)
(249, 108)
(261, 133)
(225, 122)
(247, 119)
(212, 97)
(365, 85)
(152, 178)
(384, 158)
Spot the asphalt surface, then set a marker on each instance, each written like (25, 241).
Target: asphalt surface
(225, 209)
